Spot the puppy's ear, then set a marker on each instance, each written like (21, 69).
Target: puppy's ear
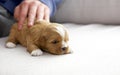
(45, 35)
(66, 35)
(61, 27)
(43, 39)
(66, 32)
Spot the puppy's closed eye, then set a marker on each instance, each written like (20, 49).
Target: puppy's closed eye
(55, 42)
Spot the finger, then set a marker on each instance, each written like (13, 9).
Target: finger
(16, 13)
(32, 14)
(40, 13)
(23, 15)
(47, 14)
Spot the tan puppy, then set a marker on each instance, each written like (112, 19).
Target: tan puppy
(42, 36)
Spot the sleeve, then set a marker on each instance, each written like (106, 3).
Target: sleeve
(52, 4)
(10, 5)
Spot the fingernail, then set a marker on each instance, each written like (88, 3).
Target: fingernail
(19, 27)
(48, 20)
(39, 20)
(30, 24)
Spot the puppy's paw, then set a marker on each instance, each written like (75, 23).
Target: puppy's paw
(36, 52)
(70, 51)
(10, 45)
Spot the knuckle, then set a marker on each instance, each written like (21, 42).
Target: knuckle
(47, 9)
(17, 7)
(16, 10)
(42, 5)
(45, 6)
(25, 2)
(34, 3)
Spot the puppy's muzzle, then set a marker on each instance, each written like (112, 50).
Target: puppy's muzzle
(64, 48)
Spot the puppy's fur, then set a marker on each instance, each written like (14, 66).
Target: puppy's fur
(42, 36)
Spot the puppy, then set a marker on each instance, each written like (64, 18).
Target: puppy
(42, 36)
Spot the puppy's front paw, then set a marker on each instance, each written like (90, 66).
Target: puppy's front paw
(10, 45)
(36, 52)
(69, 51)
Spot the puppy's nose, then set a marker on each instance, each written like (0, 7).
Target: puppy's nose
(64, 48)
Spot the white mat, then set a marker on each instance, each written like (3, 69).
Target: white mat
(96, 52)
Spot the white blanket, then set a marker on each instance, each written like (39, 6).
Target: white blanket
(96, 51)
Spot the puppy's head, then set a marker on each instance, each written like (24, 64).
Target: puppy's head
(56, 39)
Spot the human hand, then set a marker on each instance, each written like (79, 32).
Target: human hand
(31, 9)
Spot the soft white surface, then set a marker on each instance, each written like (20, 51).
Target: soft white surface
(96, 51)
(89, 11)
